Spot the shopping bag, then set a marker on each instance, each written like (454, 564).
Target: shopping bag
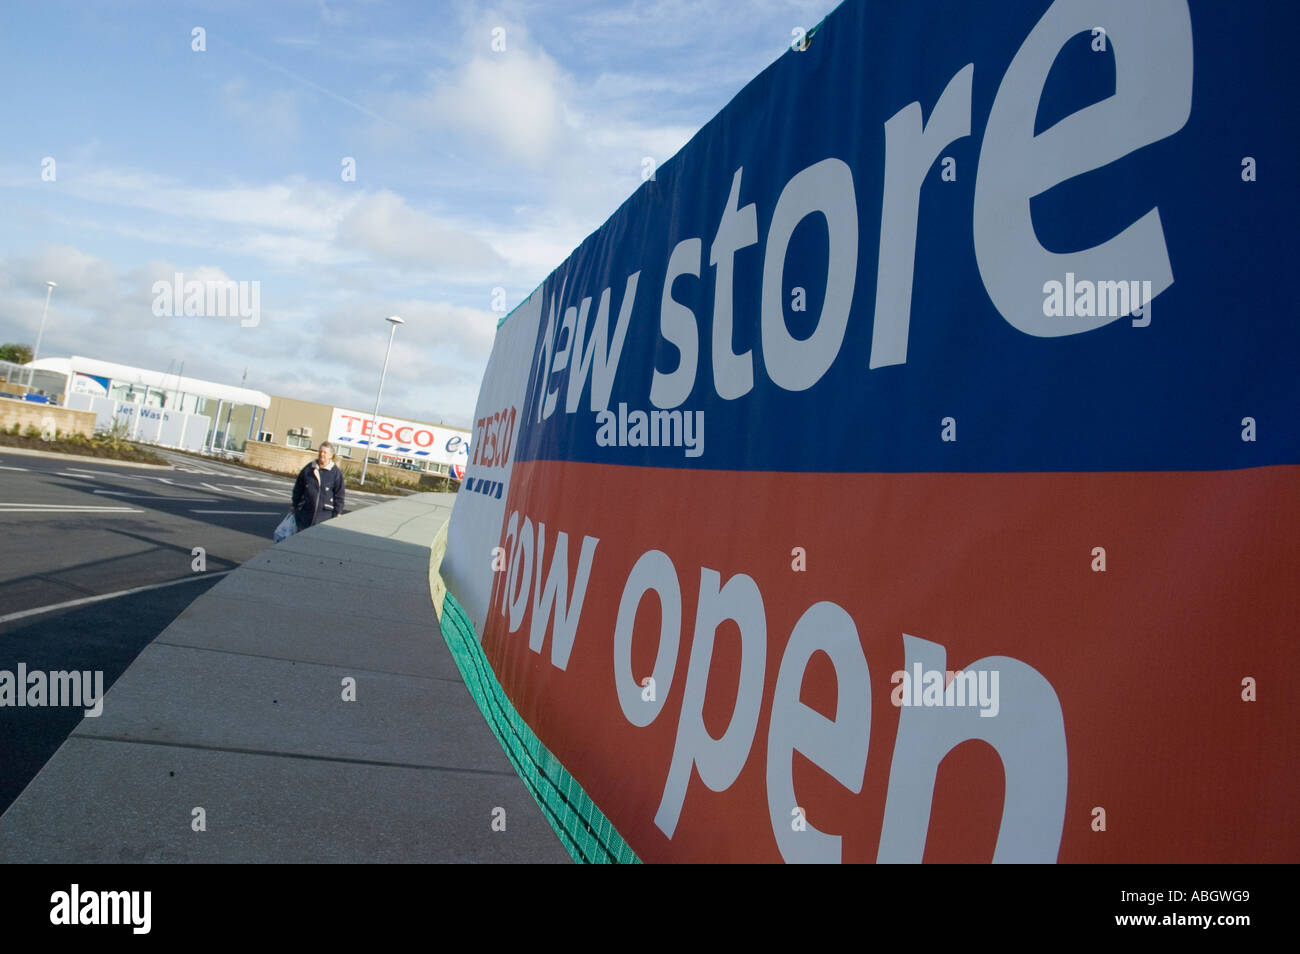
(287, 528)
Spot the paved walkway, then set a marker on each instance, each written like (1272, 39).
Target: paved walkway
(238, 709)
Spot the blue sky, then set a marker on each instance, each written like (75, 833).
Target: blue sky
(476, 169)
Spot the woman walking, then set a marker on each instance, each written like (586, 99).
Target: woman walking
(318, 492)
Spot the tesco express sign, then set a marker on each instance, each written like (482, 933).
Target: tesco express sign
(395, 436)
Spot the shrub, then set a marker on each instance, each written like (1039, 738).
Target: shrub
(114, 438)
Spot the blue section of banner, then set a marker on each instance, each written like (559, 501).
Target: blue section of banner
(1168, 391)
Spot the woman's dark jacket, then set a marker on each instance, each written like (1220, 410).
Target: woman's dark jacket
(315, 501)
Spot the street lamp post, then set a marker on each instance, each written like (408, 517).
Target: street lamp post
(49, 290)
(394, 321)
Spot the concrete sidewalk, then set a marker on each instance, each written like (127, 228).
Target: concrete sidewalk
(238, 708)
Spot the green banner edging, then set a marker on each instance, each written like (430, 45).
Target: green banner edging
(584, 830)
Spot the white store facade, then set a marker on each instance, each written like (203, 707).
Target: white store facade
(155, 406)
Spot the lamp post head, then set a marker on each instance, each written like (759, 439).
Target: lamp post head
(53, 284)
(395, 320)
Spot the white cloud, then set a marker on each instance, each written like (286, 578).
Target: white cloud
(83, 279)
(511, 100)
(329, 352)
(435, 367)
(293, 204)
(383, 224)
(293, 224)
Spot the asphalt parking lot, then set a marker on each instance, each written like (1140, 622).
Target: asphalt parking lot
(97, 559)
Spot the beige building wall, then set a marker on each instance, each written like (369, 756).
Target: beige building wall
(284, 460)
(26, 414)
(286, 413)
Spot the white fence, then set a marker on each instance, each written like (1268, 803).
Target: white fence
(153, 425)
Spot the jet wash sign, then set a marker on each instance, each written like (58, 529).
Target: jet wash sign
(909, 470)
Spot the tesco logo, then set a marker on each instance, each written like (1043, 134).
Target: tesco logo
(386, 431)
(493, 437)
(401, 432)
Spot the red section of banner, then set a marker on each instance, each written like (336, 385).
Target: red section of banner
(1147, 657)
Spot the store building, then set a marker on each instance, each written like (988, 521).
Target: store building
(391, 441)
(155, 406)
(178, 411)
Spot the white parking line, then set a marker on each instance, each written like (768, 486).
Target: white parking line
(55, 508)
(246, 513)
(59, 473)
(106, 596)
(24, 469)
(159, 497)
(260, 492)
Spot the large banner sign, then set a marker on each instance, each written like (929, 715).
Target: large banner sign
(910, 470)
(398, 437)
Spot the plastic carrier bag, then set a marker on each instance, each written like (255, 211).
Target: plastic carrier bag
(287, 528)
